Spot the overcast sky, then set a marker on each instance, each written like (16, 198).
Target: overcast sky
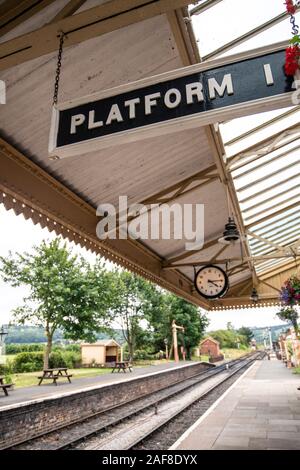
(18, 234)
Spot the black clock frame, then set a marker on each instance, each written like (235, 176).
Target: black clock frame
(223, 291)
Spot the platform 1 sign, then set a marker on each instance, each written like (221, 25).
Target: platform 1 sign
(173, 101)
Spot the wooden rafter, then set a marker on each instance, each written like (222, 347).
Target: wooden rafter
(215, 256)
(177, 190)
(264, 240)
(186, 254)
(14, 13)
(88, 24)
(224, 261)
(183, 187)
(270, 144)
(69, 9)
(269, 285)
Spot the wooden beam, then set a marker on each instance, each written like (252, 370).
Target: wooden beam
(269, 285)
(264, 240)
(181, 188)
(19, 12)
(215, 256)
(186, 254)
(69, 9)
(88, 24)
(183, 49)
(224, 261)
(245, 288)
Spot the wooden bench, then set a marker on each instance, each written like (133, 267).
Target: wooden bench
(4, 386)
(54, 375)
(123, 365)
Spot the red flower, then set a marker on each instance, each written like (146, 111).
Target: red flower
(292, 55)
(290, 7)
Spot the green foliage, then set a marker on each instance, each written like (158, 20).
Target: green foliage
(289, 314)
(194, 323)
(72, 300)
(68, 359)
(33, 361)
(161, 309)
(128, 307)
(65, 292)
(28, 362)
(15, 348)
(29, 334)
(246, 332)
(142, 354)
(229, 338)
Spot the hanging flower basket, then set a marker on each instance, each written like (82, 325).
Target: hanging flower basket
(290, 292)
(292, 53)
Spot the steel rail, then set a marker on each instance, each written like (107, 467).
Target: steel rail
(186, 384)
(246, 362)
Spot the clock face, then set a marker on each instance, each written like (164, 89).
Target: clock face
(211, 282)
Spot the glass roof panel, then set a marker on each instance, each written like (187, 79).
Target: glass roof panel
(262, 151)
(218, 25)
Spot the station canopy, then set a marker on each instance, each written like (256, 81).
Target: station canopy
(246, 167)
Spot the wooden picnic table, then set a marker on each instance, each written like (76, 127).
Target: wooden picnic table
(55, 374)
(4, 386)
(122, 365)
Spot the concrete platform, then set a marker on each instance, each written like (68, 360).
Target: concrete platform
(260, 411)
(35, 393)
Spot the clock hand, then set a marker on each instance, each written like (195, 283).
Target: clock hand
(212, 282)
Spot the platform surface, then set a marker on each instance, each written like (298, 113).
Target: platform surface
(50, 390)
(261, 411)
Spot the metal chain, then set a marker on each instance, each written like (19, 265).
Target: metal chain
(295, 27)
(58, 68)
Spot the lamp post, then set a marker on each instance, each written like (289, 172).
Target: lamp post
(174, 334)
(166, 345)
(270, 337)
(3, 333)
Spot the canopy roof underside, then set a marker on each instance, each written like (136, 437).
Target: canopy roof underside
(248, 167)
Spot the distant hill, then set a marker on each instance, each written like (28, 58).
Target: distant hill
(34, 334)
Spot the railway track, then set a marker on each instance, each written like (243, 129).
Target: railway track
(132, 424)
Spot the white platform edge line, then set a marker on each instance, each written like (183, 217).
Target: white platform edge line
(208, 412)
(88, 388)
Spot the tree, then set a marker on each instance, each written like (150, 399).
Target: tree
(162, 308)
(246, 332)
(194, 322)
(290, 314)
(128, 306)
(65, 292)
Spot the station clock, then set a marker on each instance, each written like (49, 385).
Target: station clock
(211, 282)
